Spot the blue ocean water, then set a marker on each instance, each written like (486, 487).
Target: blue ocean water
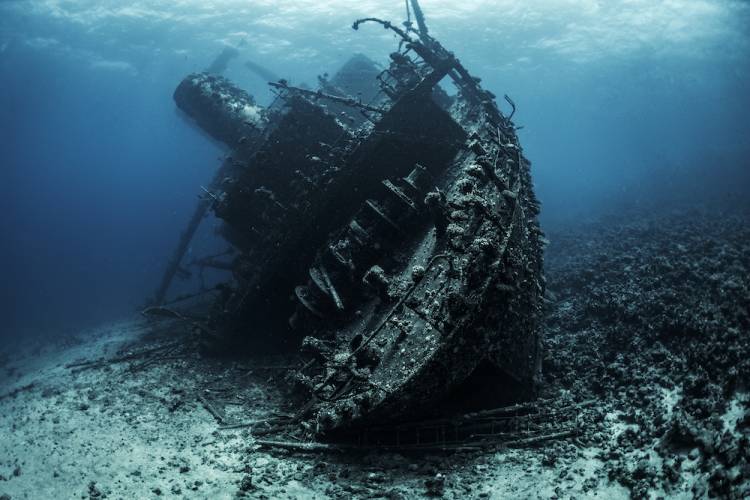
(623, 103)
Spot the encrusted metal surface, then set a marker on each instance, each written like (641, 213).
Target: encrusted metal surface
(396, 231)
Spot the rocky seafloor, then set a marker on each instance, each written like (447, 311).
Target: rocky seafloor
(650, 316)
(647, 323)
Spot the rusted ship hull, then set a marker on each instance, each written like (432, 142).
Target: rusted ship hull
(463, 285)
(398, 236)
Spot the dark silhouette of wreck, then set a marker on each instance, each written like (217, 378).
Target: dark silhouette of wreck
(384, 228)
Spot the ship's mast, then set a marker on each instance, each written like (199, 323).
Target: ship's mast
(419, 16)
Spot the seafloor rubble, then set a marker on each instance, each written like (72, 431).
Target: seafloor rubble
(646, 338)
(650, 316)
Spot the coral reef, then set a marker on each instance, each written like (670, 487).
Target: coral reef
(650, 315)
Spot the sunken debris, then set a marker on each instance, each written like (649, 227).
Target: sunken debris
(386, 229)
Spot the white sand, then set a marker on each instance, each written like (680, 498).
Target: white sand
(146, 435)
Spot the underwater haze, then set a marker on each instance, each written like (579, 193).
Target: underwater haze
(622, 103)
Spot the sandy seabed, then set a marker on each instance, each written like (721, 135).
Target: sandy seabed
(125, 431)
(647, 315)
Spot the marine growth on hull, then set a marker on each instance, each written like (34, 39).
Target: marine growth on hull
(384, 229)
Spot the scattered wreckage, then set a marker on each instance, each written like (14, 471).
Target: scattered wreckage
(383, 228)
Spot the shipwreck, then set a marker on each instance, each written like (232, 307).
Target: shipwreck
(383, 228)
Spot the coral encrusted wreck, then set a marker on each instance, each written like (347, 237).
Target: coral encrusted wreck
(386, 229)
